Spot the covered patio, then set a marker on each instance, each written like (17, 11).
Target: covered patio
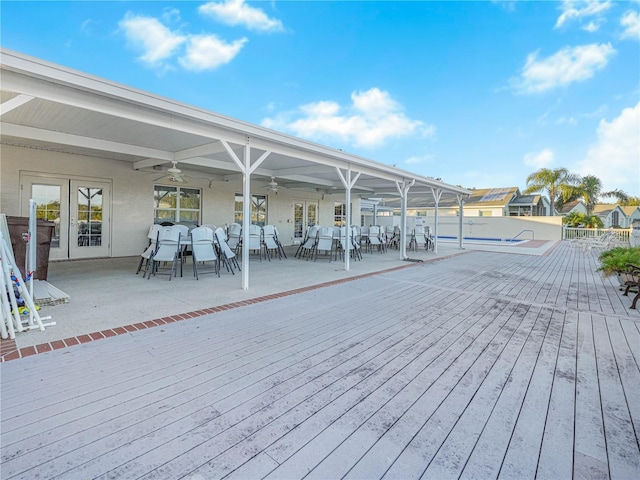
(61, 126)
(477, 365)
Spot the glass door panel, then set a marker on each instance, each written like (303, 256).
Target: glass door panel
(89, 219)
(52, 204)
(305, 214)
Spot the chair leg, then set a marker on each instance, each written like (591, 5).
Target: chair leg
(635, 300)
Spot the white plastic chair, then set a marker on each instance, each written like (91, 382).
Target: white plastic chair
(226, 254)
(308, 247)
(277, 239)
(375, 238)
(270, 242)
(255, 240)
(324, 243)
(203, 250)
(364, 237)
(152, 236)
(235, 234)
(355, 243)
(168, 250)
(420, 237)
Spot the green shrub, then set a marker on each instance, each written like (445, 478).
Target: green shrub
(616, 260)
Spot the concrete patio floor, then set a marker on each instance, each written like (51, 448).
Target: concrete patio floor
(106, 294)
(478, 365)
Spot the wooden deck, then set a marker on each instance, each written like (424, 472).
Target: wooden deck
(484, 365)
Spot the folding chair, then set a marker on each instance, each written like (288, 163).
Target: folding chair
(203, 250)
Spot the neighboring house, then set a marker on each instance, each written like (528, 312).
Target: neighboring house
(489, 202)
(632, 213)
(529, 206)
(483, 202)
(611, 215)
(577, 206)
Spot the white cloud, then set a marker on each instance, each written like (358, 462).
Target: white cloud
(236, 12)
(576, 10)
(631, 23)
(160, 45)
(372, 118)
(615, 157)
(591, 27)
(537, 160)
(171, 15)
(571, 64)
(85, 27)
(205, 52)
(147, 34)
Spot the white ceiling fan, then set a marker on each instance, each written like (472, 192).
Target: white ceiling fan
(173, 174)
(272, 186)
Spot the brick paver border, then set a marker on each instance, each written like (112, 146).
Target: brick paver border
(10, 351)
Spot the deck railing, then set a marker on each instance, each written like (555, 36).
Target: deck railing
(573, 233)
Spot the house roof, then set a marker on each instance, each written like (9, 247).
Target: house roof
(526, 200)
(52, 107)
(479, 198)
(629, 209)
(567, 207)
(604, 208)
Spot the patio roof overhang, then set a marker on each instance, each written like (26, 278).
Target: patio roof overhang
(47, 106)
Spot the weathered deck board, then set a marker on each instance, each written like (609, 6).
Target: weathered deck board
(484, 365)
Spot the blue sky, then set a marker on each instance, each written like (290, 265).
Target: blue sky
(479, 94)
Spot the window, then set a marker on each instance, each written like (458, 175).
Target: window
(176, 204)
(339, 214)
(615, 219)
(258, 209)
(485, 213)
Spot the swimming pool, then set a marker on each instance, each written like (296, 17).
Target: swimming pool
(481, 240)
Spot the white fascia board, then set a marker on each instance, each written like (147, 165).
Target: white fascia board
(114, 107)
(50, 136)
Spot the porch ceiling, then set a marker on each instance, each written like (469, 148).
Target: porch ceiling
(50, 107)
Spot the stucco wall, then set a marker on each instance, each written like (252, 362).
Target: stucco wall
(544, 228)
(132, 194)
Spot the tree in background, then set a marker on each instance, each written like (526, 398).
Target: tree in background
(577, 219)
(559, 185)
(590, 190)
(631, 202)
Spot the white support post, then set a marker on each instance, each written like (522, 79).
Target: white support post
(348, 183)
(437, 194)
(460, 220)
(246, 214)
(247, 169)
(403, 190)
(31, 252)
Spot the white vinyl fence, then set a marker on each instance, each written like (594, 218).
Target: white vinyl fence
(576, 233)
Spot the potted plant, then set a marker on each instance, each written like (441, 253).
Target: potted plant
(619, 260)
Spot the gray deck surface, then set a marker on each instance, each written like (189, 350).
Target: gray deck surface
(484, 365)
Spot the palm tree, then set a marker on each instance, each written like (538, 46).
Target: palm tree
(590, 190)
(558, 184)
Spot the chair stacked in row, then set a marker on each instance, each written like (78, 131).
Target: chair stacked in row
(262, 240)
(171, 242)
